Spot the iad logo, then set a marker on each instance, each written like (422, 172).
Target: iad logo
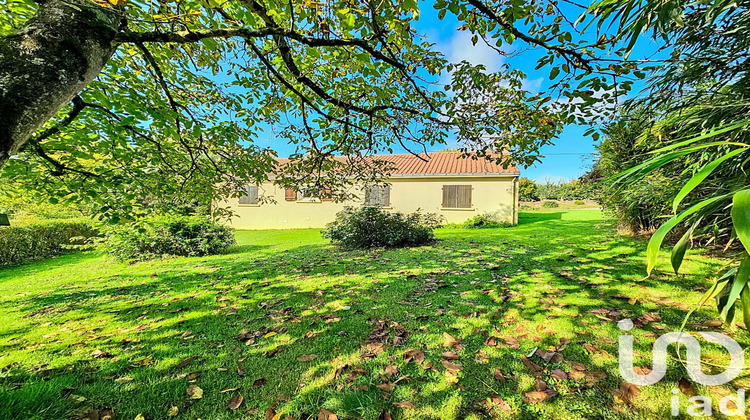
(693, 356)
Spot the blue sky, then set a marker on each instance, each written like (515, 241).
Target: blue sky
(572, 153)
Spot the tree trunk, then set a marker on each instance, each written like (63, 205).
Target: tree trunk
(48, 62)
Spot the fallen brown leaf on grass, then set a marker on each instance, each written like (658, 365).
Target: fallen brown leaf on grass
(405, 404)
(450, 340)
(413, 354)
(559, 374)
(387, 387)
(185, 362)
(194, 392)
(391, 370)
(452, 366)
(173, 411)
(307, 357)
(539, 396)
(235, 402)
(511, 342)
(98, 354)
(327, 415)
(385, 415)
(533, 367)
(577, 366)
(259, 383)
(229, 390)
(714, 323)
(497, 402)
(271, 411)
(540, 385)
(687, 387)
(499, 375)
(551, 357)
(449, 355)
(627, 392)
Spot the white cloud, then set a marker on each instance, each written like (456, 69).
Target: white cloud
(461, 48)
(532, 85)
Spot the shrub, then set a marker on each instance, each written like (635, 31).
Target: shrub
(527, 190)
(42, 240)
(550, 204)
(484, 221)
(154, 237)
(579, 202)
(372, 227)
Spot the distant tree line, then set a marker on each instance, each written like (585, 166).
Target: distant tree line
(586, 187)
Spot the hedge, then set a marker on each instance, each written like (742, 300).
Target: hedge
(20, 244)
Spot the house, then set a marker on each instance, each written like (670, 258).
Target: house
(453, 187)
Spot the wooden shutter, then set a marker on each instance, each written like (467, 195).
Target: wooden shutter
(326, 195)
(457, 196)
(250, 196)
(463, 200)
(449, 196)
(371, 195)
(378, 195)
(385, 196)
(290, 195)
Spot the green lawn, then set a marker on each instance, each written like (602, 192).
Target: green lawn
(82, 331)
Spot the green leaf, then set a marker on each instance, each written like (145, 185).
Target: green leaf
(741, 216)
(652, 251)
(701, 175)
(745, 302)
(712, 133)
(678, 252)
(738, 285)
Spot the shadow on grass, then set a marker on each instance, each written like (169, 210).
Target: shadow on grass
(536, 282)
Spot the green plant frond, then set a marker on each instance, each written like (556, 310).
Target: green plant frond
(701, 175)
(712, 133)
(741, 216)
(657, 238)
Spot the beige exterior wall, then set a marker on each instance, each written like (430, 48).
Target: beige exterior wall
(497, 195)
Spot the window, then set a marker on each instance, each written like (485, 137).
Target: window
(457, 196)
(251, 195)
(308, 194)
(378, 195)
(290, 195)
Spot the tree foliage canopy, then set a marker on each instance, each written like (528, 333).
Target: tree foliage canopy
(179, 110)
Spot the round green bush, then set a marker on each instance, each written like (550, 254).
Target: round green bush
(372, 227)
(154, 237)
(550, 204)
(579, 202)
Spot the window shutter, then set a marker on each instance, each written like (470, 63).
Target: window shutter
(290, 195)
(378, 195)
(457, 196)
(449, 196)
(250, 196)
(464, 196)
(385, 196)
(371, 195)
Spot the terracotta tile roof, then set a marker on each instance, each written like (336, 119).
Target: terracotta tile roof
(439, 163)
(443, 163)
